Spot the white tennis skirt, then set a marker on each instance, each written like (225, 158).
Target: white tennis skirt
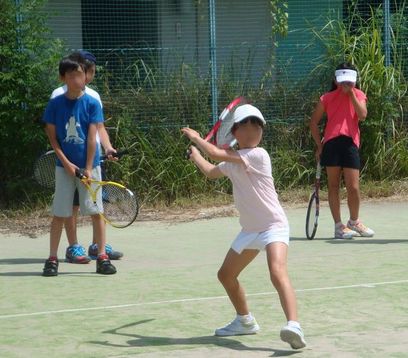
(259, 240)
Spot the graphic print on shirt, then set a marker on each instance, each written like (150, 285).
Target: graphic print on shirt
(72, 133)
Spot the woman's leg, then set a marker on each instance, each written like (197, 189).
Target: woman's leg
(228, 274)
(333, 184)
(352, 180)
(276, 254)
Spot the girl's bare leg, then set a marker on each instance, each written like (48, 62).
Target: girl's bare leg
(228, 274)
(276, 254)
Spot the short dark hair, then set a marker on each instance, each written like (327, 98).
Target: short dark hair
(252, 119)
(70, 63)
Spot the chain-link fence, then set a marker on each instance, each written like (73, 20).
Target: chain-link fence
(166, 64)
(165, 61)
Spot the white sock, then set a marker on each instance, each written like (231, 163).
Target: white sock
(245, 317)
(338, 225)
(353, 222)
(294, 324)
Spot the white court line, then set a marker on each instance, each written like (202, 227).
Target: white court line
(361, 285)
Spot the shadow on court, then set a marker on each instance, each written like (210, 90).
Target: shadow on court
(363, 241)
(154, 341)
(39, 273)
(359, 240)
(306, 239)
(21, 261)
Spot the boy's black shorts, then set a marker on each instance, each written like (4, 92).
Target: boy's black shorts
(340, 152)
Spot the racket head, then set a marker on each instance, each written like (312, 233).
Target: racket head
(223, 136)
(120, 205)
(44, 169)
(312, 216)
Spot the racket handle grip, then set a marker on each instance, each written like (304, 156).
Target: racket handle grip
(80, 174)
(118, 154)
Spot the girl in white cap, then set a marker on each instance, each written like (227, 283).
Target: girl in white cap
(345, 107)
(264, 223)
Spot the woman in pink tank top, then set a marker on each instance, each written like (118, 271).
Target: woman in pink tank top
(344, 106)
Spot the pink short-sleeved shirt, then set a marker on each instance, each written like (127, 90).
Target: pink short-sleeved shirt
(254, 191)
(342, 118)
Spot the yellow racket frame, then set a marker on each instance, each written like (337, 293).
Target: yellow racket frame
(94, 193)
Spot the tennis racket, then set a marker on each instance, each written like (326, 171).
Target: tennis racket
(117, 205)
(44, 167)
(220, 134)
(312, 216)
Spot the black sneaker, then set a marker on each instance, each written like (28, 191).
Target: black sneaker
(50, 268)
(104, 266)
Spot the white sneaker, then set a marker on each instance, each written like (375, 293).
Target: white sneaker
(360, 229)
(294, 336)
(238, 327)
(343, 233)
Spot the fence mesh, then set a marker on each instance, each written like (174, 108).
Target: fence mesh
(176, 62)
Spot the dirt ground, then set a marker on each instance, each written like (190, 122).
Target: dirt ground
(37, 222)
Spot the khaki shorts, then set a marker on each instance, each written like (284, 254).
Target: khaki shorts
(65, 186)
(259, 240)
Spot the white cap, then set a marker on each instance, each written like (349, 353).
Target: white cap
(346, 75)
(247, 110)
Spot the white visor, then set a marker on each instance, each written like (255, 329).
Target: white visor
(345, 75)
(246, 111)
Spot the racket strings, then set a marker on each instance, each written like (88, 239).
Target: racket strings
(313, 212)
(224, 137)
(120, 206)
(312, 216)
(44, 170)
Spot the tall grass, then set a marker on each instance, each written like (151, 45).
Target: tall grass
(147, 106)
(157, 168)
(161, 103)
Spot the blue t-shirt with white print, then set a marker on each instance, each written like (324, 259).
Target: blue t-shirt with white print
(72, 118)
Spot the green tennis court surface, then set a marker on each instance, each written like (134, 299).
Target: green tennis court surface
(166, 301)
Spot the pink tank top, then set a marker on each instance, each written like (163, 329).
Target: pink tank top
(342, 118)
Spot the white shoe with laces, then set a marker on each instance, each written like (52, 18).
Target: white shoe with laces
(360, 229)
(343, 232)
(238, 326)
(294, 336)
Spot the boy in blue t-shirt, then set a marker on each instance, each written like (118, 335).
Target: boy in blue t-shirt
(76, 253)
(71, 125)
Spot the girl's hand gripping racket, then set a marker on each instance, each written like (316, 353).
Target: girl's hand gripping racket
(312, 216)
(44, 167)
(220, 134)
(117, 205)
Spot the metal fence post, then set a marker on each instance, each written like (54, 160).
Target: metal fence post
(387, 32)
(213, 60)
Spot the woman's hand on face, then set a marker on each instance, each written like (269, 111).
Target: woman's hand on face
(347, 87)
